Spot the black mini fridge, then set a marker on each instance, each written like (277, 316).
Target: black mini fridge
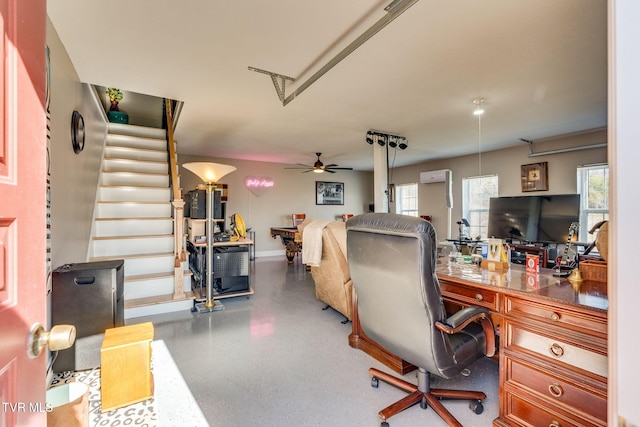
(89, 296)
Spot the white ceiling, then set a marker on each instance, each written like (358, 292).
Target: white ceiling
(541, 66)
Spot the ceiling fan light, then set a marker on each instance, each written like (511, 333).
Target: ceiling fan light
(318, 170)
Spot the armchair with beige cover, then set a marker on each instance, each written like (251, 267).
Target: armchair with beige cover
(331, 272)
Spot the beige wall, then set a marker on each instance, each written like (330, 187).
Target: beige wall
(506, 164)
(74, 177)
(293, 192)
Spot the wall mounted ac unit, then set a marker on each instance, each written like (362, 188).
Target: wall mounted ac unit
(430, 177)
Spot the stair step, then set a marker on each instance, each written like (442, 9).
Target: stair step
(136, 130)
(136, 153)
(137, 142)
(157, 304)
(134, 209)
(105, 227)
(139, 179)
(148, 263)
(129, 245)
(114, 164)
(153, 284)
(134, 194)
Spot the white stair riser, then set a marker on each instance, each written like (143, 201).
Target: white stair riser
(135, 154)
(133, 130)
(133, 227)
(150, 265)
(124, 165)
(137, 142)
(152, 287)
(135, 179)
(122, 247)
(134, 210)
(133, 194)
(148, 288)
(150, 310)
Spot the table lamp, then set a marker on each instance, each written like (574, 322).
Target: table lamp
(210, 173)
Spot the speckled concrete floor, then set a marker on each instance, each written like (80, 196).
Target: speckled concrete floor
(277, 359)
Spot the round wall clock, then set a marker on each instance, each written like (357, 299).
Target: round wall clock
(77, 131)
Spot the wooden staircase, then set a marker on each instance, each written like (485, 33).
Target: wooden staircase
(134, 221)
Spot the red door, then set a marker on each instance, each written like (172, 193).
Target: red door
(22, 209)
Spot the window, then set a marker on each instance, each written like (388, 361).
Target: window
(407, 199)
(593, 186)
(476, 192)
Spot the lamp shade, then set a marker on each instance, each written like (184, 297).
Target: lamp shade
(210, 173)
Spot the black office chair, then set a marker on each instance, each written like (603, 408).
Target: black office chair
(392, 261)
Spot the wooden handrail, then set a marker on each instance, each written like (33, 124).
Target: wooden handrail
(179, 253)
(172, 150)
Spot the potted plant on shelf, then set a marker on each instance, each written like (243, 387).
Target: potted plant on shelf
(115, 115)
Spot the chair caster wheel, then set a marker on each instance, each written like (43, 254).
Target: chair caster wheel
(424, 404)
(374, 382)
(476, 407)
(384, 424)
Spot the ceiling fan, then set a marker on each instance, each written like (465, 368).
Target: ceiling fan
(319, 167)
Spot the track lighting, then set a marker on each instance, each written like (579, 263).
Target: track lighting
(369, 138)
(386, 139)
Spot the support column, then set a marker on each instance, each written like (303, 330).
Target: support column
(380, 184)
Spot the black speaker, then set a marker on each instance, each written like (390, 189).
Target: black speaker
(89, 296)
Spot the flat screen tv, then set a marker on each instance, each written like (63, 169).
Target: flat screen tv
(537, 219)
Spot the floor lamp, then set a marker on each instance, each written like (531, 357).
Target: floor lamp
(210, 173)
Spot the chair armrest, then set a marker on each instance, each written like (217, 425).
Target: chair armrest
(459, 320)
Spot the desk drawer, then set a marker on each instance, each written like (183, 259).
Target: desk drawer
(556, 350)
(470, 296)
(585, 397)
(523, 411)
(554, 315)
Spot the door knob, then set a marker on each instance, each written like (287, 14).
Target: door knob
(60, 337)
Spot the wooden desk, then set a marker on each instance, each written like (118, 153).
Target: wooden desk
(553, 342)
(290, 239)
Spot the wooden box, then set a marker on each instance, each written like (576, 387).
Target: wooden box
(125, 359)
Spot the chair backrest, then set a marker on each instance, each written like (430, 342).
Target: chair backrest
(392, 260)
(297, 218)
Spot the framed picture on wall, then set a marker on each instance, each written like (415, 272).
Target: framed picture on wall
(534, 177)
(329, 193)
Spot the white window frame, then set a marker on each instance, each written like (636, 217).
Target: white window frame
(407, 199)
(478, 216)
(597, 214)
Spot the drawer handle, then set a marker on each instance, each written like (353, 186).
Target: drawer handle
(555, 317)
(479, 297)
(555, 390)
(556, 350)
(554, 423)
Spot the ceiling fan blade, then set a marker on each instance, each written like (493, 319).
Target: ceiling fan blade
(329, 170)
(343, 169)
(332, 165)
